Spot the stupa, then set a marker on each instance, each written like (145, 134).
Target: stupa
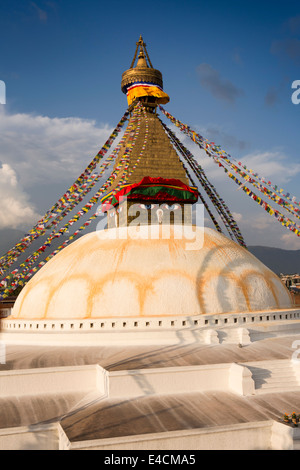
(132, 270)
(133, 311)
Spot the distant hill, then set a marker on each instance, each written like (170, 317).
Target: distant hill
(277, 259)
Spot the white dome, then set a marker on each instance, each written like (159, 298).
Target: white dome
(112, 273)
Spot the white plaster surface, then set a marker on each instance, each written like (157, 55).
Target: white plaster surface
(216, 396)
(117, 344)
(105, 275)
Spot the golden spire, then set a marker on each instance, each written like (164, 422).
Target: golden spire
(141, 63)
(142, 55)
(153, 158)
(146, 80)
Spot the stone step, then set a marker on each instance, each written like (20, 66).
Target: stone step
(259, 391)
(296, 444)
(276, 383)
(279, 377)
(234, 335)
(274, 365)
(275, 376)
(271, 372)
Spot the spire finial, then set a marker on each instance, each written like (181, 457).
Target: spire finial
(143, 82)
(142, 54)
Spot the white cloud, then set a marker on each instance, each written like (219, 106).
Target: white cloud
(237, 216)
(16, 210)
(50, 153)
(261, 222)
(257, 226)
(42, 14)
(272, 165)
(218, 86)
(45, 152)
(291, 241)
(43, 149)
(2, 92)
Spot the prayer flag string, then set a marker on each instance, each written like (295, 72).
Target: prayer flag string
(19, 278)
(210, 190)
(216, 149)
(71, 196)
(222, 160)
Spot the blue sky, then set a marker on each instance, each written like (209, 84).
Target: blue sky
(228, 67)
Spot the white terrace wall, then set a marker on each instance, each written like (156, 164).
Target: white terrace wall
(261, 435)
(36, 437)
(207, 329)
(85, 379)
(231, 377)
(53, 380)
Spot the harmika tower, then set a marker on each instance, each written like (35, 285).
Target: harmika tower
(157, 188)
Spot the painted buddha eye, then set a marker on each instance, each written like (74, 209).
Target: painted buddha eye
(147, 206)
(112, 214)
(119, 210)
(171, 207)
